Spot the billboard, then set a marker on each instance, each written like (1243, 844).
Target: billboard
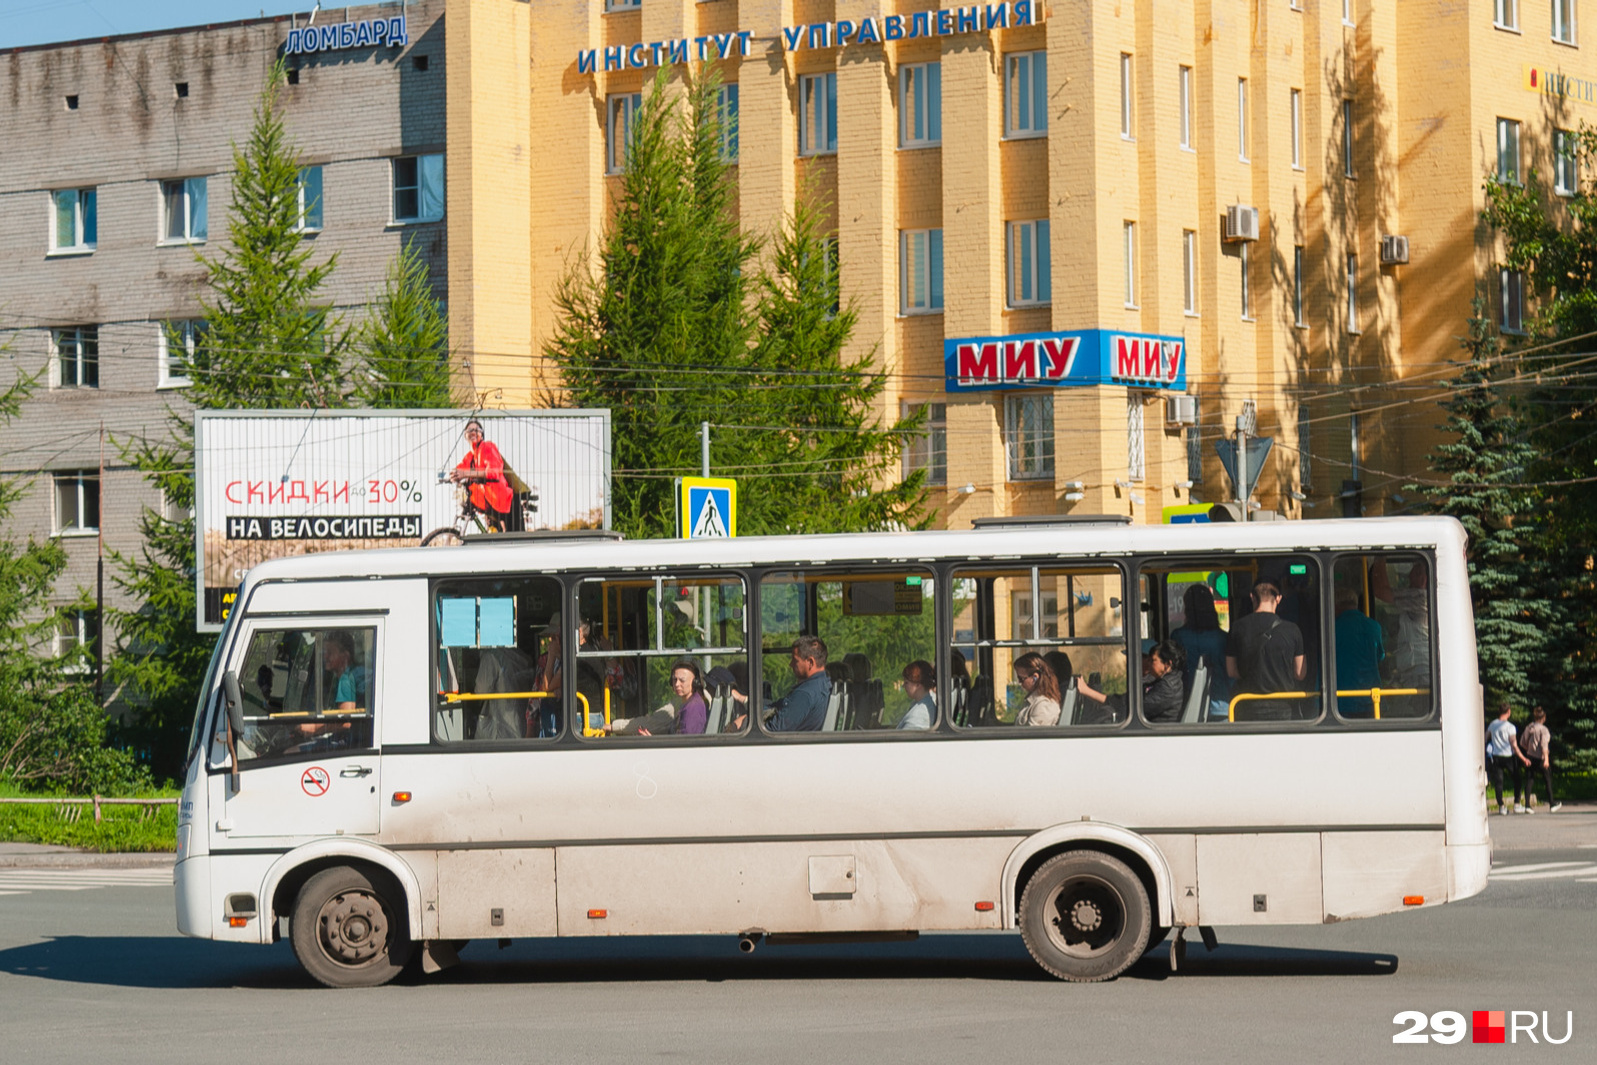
(269, 484)
(1057, 360)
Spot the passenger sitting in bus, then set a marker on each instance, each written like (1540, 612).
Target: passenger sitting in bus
(1042, 691)
(1060, 663)
(804, 708)
(690, 717)
(1359, 652)
(920, 681)
(1163, 696)
(1265, 655)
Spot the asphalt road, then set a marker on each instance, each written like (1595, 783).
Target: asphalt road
(91, 969)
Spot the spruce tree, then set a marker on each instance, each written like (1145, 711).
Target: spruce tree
(674, 322)
(403, 347)
(267, 344)
(1485, 464)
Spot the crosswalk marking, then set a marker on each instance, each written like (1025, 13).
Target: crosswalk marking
(22, 881)
(1546, 871)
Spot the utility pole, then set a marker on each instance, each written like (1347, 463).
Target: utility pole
(99, 577)
(704, 448)
(1242, 466)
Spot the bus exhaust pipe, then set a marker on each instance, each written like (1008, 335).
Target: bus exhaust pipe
(747, 943)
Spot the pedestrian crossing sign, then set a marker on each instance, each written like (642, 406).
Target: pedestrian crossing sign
(709, 508)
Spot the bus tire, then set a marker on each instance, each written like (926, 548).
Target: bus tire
(349, 929)
(1085, 916)
(448, 536)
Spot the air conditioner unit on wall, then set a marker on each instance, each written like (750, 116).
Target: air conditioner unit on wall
(1394, 251)
(1181, 410)
(1241, 222)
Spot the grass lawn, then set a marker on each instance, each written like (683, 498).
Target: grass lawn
(122, 828)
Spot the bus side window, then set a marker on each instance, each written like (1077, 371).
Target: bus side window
(1243, 634)
(498, 663)
(1038, 646)
(661, 655)
(1382, 637)
(879, 626)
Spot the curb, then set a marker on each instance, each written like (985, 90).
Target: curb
(80, 860)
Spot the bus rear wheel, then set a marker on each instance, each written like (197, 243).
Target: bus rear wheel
(347, 930)
(1085, 916)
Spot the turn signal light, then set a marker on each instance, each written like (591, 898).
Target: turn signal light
(237, 922)
(598, 915)
(984, 907)
(1413, 900)
(401, 796)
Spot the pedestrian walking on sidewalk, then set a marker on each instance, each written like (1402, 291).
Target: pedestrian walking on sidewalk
(1502, 753)
(1535, 748)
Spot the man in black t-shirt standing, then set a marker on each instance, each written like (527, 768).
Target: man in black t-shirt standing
(1265, 654)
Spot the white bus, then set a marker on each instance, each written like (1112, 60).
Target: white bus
(398, 751)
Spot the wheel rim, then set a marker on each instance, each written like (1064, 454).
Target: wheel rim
(445, 537)
(353, 928)
(1085, 917)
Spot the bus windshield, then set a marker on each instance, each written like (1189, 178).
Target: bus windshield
(197, 730)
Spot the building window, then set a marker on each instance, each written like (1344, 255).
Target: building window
(1347, 12)
(1026, 94)
(1242, 119)
(1127, 117)
(1303, 447)
(1030, 264)
(1564, 21)
(76, 634)
(1186, 107)
(921, 256)
(77, 502)
(928, 449)
(1297, 286)
(1566, 172)
(1247, 287)
(1297, 129)
(1136, 448)
(77, 356)
(1029, 436)
(1505, 15)
(183, 210)
(1347, 138)
(622, 5)
(1128, 242)
(920, 105)
(419, 188)
(1352, 294)
(1189, 271)
(172, 510)
(1508, 151)
(834, 273)
(1511, 283)
(818, 114)
(75, 220)
(309, 190)
(179, 340)
(726, 105)
(1194, 443)
(622, 111)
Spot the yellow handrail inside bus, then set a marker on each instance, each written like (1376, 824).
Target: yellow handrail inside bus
(352, 712)
(473, 697)
(1375, 695)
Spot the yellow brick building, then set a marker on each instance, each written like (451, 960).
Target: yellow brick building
(1216, 180)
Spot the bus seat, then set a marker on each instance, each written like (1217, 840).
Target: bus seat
(834, 704)
(961, 701)
(1198, 698)
(1071, 707)
(718, 701)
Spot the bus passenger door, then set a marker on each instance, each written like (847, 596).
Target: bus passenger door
(307, 757)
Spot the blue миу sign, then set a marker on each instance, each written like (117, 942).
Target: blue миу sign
(1061, 360)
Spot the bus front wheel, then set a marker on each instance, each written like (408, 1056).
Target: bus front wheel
(1085, 916)
(347, 929)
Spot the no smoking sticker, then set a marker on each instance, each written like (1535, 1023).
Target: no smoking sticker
(315, 781)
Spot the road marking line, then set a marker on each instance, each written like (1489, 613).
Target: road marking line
(1537, 867)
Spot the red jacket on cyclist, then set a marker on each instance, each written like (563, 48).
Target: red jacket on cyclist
(483, 470)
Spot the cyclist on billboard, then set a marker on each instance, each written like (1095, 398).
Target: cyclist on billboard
(483, 470)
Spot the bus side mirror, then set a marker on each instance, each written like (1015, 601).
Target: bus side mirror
(235, 701)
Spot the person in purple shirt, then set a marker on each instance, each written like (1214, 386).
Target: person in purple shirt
(687, 681)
